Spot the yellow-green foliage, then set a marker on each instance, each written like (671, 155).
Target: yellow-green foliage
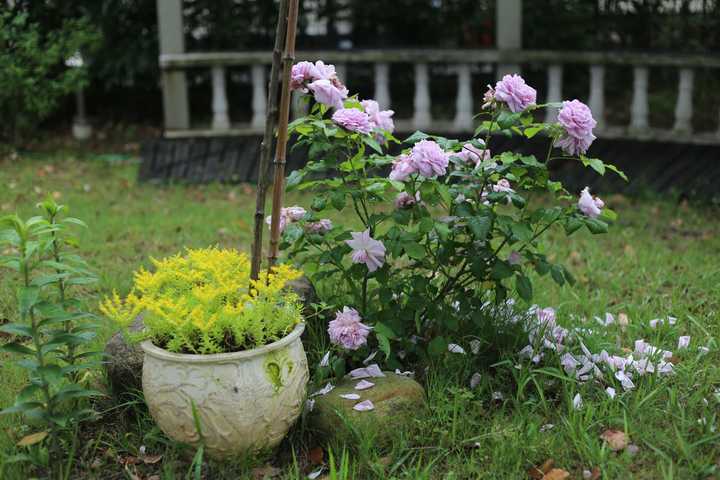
(199, 303)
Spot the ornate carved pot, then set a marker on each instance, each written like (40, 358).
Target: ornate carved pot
(245, 400)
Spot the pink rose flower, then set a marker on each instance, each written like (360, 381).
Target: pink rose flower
(353, 119)
(405, 200)
(576, 118)
(283, 221)
(503, 185)
(328, 93)
(471, 154)
(402, 168)
(367, 250)
(324, 72)
(429, 159)
(295, 213)
(302, 73)
(588, 205)
(489, 98)
(515, 93)
(380, 119)
(321, 226)
(347, 330)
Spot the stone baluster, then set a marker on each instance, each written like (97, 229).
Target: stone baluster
(220, 120)
(597, 94)
(464, 99)
(718, 131)
(684, 106)
(639, 107)
(341, 72)
(299, 105)
(421, 103)
(554, 95)
(259, 96)
(382, 85)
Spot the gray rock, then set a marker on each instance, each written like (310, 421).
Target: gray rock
(397, 400)
(123, 361)
(305, 291)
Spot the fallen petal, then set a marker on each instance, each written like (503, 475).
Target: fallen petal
(577, 402)
(370, 357)
(616, 439)
(374, 371)
(683, 342)
(364, 385)
(475, 380)
(364, 406)
(325, 362)
(325, 390)
(350, 396)
(316, 473)
(455, 348)
(610, 391)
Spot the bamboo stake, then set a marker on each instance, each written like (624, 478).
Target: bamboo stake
(280, 150)
(266, 146)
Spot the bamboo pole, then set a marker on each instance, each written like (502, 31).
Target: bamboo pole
(266, 146)
(281, 148)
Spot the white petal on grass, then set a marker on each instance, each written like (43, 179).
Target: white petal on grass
(309, 405)
(364, 385)
(364, 406)
(625, 381)
(577, 402)
(374, 370)
(671, 320)
(350, 396)
(611, 392)
(475, 346)
(316, 473)
(370, 357)
(407, 373)
(498, 396)
(683, 342)
(475, 380)
(547, 427)
(703, 350)
(325, 390)
(455, 348)
(587, 474)
(325, 362)
(655, 322)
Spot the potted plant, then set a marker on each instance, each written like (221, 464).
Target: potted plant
(224, 365)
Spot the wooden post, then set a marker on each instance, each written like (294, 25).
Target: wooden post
(508, 32)
(283, 118)
(174, 87)
(266, 146)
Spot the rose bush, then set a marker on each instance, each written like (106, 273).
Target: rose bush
(430, 236)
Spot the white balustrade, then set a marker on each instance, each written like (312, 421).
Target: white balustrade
(639, 108)
(464, 100)
(684, 107)
(259, 96)
(554, 95)
(421, 103)
(382, 85)
(341, 72)
(220, 120)
(596, 102)
(299, 105)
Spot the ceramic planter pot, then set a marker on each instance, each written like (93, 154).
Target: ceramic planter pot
(245, 400)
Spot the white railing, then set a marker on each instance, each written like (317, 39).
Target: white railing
(462, 63)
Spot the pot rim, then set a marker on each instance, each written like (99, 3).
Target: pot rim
(154, 351)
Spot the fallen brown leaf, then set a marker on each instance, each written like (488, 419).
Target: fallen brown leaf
(316, 456)
(595, 473)
(32, 439)
(538, 473)
(623, 320)
(151, 459)
(617, 440)
(556, 474)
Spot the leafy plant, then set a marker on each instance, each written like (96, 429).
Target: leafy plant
(53, 334)
(200, 303)
(32, 70)
(454, 228)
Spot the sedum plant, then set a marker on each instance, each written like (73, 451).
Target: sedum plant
(204, 302)
(52, 335)
(432, 237)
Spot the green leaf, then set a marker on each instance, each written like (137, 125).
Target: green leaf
(50, 373)
(521, 231)
(415, 250)
(21, 408)
(523, 286)
(501, 269)
(337, 199)
(75, 221)
(27, 298)
(480, 227)
(556, 271)
(14, 347)
(416, 137)
(437, 346)
(294, 179)
(572, 225)
(383, 344)
(17, 329)
(596, 226)
(532, 131)
(75, 391)
(372, 143)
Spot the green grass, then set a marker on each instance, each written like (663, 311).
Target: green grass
(660, 259)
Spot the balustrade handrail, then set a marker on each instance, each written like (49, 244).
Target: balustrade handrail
(175, 61)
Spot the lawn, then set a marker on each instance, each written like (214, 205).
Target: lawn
(660, 259)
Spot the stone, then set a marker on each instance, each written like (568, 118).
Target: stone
(305, 290)
(397, 400)
(124, 361)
